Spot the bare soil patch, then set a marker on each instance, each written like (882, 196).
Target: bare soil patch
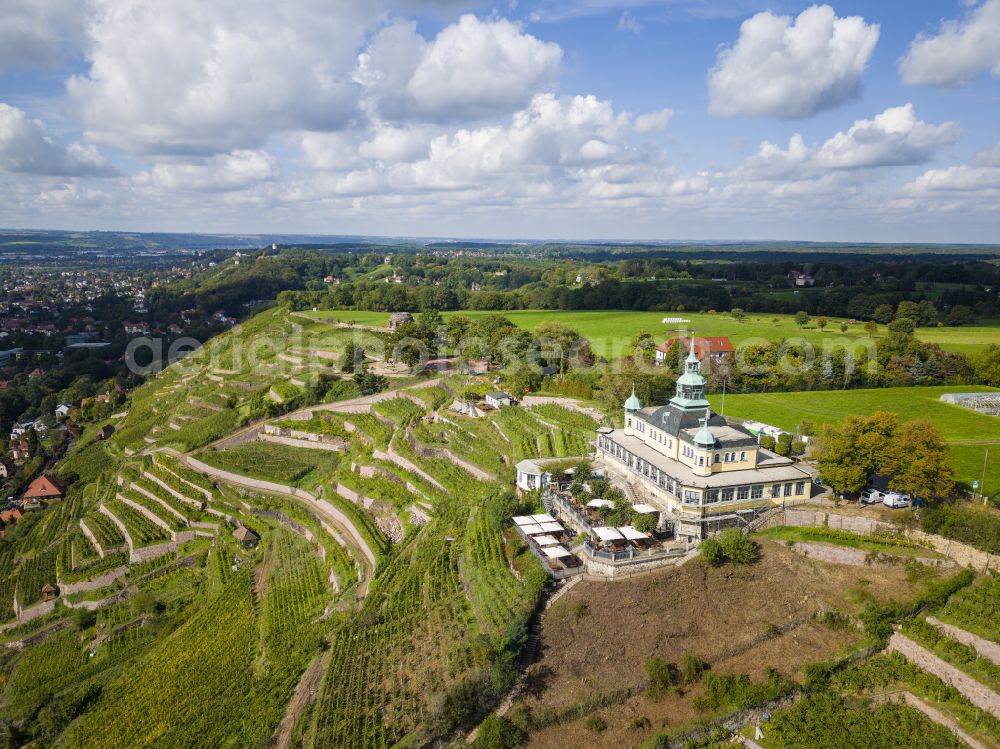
(597, 637)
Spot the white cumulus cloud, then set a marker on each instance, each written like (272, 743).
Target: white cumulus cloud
(25, 148)
(653, 121)
(966, 184)
(237, 170)
(894, 137)
(189, 76)
(958, 51)
(39, 33)
(472, 69)
(784, 67)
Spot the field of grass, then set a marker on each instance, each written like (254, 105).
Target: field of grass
(969, 433)
(610, 331)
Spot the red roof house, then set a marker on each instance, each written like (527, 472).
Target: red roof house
(45, 488)
(715, 347)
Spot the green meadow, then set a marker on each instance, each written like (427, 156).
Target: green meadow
(969, 433)
(610, 331)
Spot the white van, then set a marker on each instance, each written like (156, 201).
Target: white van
(895, 499)
(871, 496)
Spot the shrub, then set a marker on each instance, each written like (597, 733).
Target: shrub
(641, 723)
(662, 677)
(691, 668)
(711, 551)
(496, 732)
(646, 523)
(877, 619)
(737, 547)
(596, 723)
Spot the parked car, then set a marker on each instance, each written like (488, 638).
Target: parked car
(895, 499)
(871, 496)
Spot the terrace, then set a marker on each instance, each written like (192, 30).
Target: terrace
(604, 544)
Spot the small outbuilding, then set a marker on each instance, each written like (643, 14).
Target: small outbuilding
(246, 536)
(397, 319)
(499, 399)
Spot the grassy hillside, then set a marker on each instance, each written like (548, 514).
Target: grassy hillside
(206, 643)
(969, 433)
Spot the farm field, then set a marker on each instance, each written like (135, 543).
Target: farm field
(610, 331)
(969, 433)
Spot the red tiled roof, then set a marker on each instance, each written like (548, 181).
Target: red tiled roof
(44, 488)
(703, 345)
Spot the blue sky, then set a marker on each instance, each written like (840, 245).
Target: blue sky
(589, 119)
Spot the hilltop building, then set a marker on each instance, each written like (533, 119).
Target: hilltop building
(701, 472)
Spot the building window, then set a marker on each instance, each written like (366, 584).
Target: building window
(800, 487)
(743, 456)
(756, 492)
(701, 460)
(629, 422)
(727, 494)
(788, 490)
(712, 495)
(691, 497)
(776, 491)
(743, 493)
(716, 460)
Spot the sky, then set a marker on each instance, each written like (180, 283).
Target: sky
(559, 119)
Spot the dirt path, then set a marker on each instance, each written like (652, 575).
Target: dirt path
(321, 507)
(305, 692)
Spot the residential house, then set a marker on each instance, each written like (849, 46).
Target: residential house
(499, 399)
(62, 410)
(7, 467)
(717, 349)
(45, 488)
(798, 278)
(11, 516)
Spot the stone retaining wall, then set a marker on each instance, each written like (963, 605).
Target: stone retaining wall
(147, 513)
(986, 648)
(859, 557)
(148, 553)
(153, 498)
(34, 611)
(101, 581)
(962, 554)
(978, 694)
(407, 465)
(442, 453)
(93, 539)
(174, 492)
(308, 444)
